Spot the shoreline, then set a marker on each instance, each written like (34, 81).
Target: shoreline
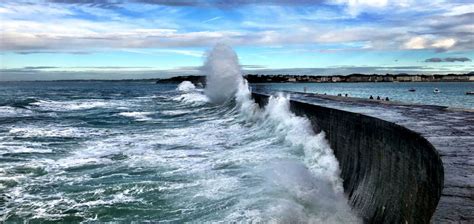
(256, 78)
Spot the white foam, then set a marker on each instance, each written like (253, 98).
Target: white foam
(139, 116)
(277, 119)
(21, 149)
(194, 98)
(77, 104)
(175, 112)
(223, 73)
(218, 187)
(53, 131)
(8, 111)
(186, 86)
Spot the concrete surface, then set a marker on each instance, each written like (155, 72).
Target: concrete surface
(392, 156)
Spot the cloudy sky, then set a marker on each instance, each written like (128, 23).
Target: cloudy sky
(92, 39)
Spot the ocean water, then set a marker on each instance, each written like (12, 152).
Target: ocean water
(453, 94)
(136, 151)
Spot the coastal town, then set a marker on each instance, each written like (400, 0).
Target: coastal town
(260, 78)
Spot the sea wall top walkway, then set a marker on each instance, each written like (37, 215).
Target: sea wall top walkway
(449, 130)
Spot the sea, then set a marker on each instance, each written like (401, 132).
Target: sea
(451, 94)
(86, 151)
(102, 151)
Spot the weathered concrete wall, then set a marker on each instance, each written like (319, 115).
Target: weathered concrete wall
(391, 174)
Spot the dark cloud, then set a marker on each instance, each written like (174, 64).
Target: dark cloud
(455, 26)
(448, 59)
(461, 59)
(434, 60)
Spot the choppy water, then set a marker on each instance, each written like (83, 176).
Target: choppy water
(124, 151)
(453, 94)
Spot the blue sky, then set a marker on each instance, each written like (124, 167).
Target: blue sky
(62, 39)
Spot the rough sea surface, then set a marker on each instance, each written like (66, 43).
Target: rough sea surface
(131, 151)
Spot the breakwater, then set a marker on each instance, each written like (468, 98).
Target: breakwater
(391, 167)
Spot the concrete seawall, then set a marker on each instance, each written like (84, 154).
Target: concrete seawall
(391, 174)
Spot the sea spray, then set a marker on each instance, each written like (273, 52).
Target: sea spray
(223, 74)
(224, 80)
(190, 94)
(312, 186)
(298, 131)
(315, 183)
(186, 86)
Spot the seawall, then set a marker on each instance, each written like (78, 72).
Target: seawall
(391, 173)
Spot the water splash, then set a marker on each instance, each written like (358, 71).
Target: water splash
(223, 74)
(315, 183)
(186, 86)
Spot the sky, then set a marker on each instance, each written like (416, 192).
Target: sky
(134, 39)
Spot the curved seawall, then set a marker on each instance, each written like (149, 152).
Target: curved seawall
(391, 174)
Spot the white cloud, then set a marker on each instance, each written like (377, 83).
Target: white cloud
(192, 53)
(460, 9)
(354, 7)
(444, 43)
(259, 25)
(46, 10)
(420, 42)
(416, 43)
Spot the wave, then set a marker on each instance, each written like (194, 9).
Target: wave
(72, 105)
(308, 175)
(9, 111)
(139, 116)
(195, 98)
(317, 183)
(186, 86)
(33, 131)
(23, 103)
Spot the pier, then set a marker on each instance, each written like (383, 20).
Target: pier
(401, 163)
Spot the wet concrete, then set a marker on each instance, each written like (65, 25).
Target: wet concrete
(397, 160)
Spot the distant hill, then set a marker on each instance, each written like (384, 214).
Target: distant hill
(178, 79)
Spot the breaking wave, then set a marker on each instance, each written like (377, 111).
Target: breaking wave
(194, 156)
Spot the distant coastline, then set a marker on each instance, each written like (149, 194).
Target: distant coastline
(256, 78)
(286, 78)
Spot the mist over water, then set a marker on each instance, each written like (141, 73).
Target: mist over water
(316, 181)
(122, 152)
(223, 73)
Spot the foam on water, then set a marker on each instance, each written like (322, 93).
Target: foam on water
(139, 116)
(194, 161)
(195, 98)
(186, 86)
(29, 131)
(75, 104)
(317, 182)
(8, 111)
